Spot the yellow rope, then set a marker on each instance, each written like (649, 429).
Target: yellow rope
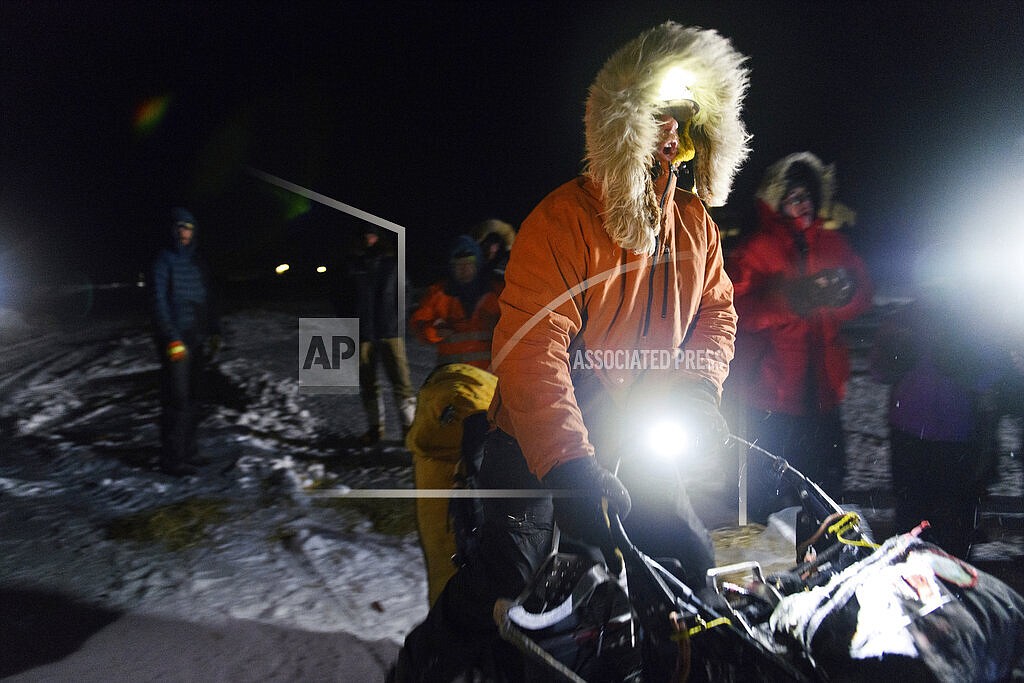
(849, 522)
(702, 626)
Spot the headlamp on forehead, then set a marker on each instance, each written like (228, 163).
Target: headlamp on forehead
(675, 94)
(675, 98)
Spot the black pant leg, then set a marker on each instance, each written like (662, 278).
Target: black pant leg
(774, 432)
(663, 522)
(931, 481)
(515, 539)
(179, 397)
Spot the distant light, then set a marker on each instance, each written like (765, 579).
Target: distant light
(281, 269)
(321, 269)
(995, 268)
(676, 86)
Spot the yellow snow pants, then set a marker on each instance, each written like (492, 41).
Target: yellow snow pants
(449, 395)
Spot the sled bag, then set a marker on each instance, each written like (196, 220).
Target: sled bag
(908, 611)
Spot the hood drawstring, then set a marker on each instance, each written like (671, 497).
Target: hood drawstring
(650, 282)
(673, 173)
(664, 288)
(658, 248)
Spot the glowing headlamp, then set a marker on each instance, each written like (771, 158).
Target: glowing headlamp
(676, 91)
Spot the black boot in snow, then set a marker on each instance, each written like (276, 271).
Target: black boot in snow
(177, 469)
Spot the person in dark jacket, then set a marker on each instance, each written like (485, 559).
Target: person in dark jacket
(369, 291)
(944, 368)
(185, 325)
(795, 284)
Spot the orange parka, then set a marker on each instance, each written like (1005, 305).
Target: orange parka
(470, 340)
(580, 315)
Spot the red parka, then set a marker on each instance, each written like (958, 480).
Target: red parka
(785, 362)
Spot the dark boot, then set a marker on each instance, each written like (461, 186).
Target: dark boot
(177, 469)
(194, 458)
(372, 436)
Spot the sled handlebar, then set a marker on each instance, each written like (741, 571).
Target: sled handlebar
(811, 495)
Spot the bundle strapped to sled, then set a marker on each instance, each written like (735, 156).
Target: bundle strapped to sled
(907, 610)
(852, 610)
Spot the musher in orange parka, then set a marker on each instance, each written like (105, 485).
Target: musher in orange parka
(619, 263)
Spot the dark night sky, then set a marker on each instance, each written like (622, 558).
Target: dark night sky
(436, 115)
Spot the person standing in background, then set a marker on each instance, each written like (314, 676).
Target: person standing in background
(944, 368)
(795, 284)
(495, 238)
(185, 326)
(450, 424)
(457, 314)
(369, 291)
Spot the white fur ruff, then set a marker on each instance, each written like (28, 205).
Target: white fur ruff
(622, 127)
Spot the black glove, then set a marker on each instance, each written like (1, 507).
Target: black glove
(834, 287)
(579, 512)
(831, 288)
(699, 402)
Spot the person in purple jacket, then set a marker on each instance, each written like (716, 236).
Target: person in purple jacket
(944, 371)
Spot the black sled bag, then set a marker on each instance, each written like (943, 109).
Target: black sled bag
(908, 612)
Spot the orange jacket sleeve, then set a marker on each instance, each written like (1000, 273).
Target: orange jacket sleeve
(714, 330)
(430, 309)
(540, 316)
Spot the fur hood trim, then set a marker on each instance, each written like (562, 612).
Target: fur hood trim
(773, 185)
(622, 128)
(493, 226)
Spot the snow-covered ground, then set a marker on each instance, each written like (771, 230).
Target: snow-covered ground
(85, 514)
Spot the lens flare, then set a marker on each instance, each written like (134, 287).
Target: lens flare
(150, 113)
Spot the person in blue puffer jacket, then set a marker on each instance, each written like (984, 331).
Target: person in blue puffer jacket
(186, 334)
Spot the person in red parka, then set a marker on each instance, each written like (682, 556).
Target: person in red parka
(795, 284)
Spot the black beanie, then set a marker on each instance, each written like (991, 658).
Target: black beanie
(182, 215)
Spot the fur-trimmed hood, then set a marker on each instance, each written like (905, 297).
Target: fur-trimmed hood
(622, 127)
(499, 228)
(778, 178)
